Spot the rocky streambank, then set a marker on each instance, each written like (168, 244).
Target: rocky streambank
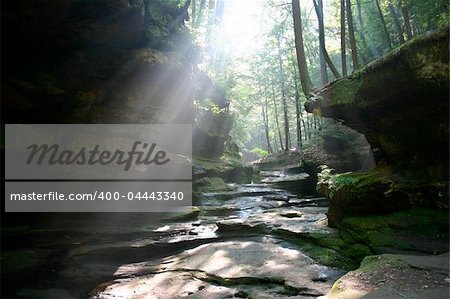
(252, 240)
(398, 210)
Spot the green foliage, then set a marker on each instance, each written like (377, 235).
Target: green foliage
(259, 151)
(325, 175)
(358, 182)
(252, 81)
(208, 105)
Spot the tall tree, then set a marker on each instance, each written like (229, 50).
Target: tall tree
(397, 25)
(362, 31)
(322, 61)
(300, 49)
(283, 94)
(199, 14)
(343, 49)
(351, 34)
(298, 113)
(218, 12)
(277, 122)
(265, 116)
(406, 21)
(323, 49)
(193, 12)
(383, 23)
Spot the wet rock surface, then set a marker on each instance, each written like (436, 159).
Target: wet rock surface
(260, 266)
(252, 241)
(237, 243)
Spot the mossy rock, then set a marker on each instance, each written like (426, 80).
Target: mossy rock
(326, 256)
(208, 166)
(405, 91)
(380, 191)
(412, 230)
(380, 262)
(348, 248)
(190, 214)
(210, 184)
(366, 193)
(328, 249)
(370, 266)
(229, 170)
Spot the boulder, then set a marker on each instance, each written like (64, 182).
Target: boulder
(395, 276)
(400, 103)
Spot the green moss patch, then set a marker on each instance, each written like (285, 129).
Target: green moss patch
(412, 230)
(210, 184)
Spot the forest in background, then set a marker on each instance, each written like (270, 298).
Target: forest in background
(299, 46)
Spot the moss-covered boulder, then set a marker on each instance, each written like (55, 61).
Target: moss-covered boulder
(210, 184)
(229, 170)
(400, 103)
(382, 190)
(395, 276)
(413, 231)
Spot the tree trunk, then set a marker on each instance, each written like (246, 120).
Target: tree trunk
(351, 34)
(283, 95)
(200, 13)
(218, 12)
(406, 21)
(209, 28)
(300, 49)
(193, 12)
(316, 131)
(297, 112)
(397, 25)
(266, 126)
(343, 50)
(277, 122)
(383, 23)
(366, 45)
(323, 50)
(323, 63)
(304, 127)
(308, 121)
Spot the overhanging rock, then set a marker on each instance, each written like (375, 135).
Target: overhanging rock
(399, 102)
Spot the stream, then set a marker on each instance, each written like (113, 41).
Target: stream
(238, 244)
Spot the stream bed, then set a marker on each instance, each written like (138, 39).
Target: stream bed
(237, 244)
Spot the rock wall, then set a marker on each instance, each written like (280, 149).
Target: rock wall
(103, 61)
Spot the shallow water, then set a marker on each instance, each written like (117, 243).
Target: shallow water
(106, 254)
